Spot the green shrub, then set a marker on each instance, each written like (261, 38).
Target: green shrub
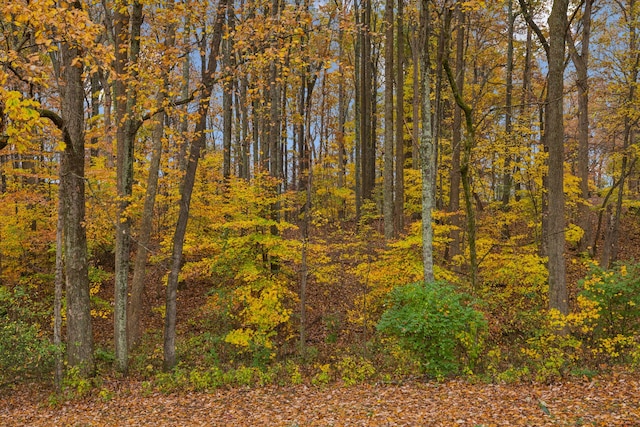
(617, 293)
(354, 370)
(24, 348)
(437, 324)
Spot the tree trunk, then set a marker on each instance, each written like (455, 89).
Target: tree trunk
(456, 139)
(366, 133)
(342, 102)
(187, 188)
(358, 107)
(79, 328)
(57, 298)
(581, 61)
(427, 149)
(508, 114)
(388, 202)
(134, 325)
(554, 139)
(415, 104)
(227, 101)
(127, 48)
(465, 169)
(399, 182)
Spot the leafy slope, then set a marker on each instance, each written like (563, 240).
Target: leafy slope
(612, 400)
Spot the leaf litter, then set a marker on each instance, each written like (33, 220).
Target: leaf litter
(607, 400)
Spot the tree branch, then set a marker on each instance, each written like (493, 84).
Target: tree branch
(526, 13)
(54, 117)
(162, 109)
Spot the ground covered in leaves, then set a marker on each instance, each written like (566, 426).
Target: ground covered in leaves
(608, 400)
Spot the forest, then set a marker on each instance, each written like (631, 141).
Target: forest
(202, 194)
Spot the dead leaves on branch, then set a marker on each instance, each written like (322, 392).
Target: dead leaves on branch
(610, 400)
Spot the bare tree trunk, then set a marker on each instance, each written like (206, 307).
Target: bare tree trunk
(57, 298)
(554, 138)
(415, 105)
(127, 48)
(508, 114)
(79, 328)
(465, 169)
(456, 141)
(187, 188)
(227, 98)
(367, 134)
(427, 149)
(358, 107)
(581, 61)
(342, 102)
(388, 205)
(246, 140)
(399, 182)
(134, 325)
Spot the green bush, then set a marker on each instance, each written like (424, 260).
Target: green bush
(617, 293)
(24, 349)
(437, 324)
(354, 370)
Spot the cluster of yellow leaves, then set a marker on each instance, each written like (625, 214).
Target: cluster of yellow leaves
(263, 311)
(23, 117)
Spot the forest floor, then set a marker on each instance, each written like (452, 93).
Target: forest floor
(607, 400)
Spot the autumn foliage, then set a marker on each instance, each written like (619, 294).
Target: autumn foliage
(233, 157)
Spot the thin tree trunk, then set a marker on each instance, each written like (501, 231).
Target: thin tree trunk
(342, 102)
(508, 114)
(187, 188)
(415, 104)
(399, 182)
(367, 138)
(358, 108)
(134, 328)
(388, 199)
(57, 298)
(581, 61)
(246, 140)
(227, 98)
(427, 149)
(456, 141)
(127, 48)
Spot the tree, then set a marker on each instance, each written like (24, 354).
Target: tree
(554, 140)
(126, 25)
(79, 327)
(554, 219)
(581, 62)
(400, 157)
(427, 148)
(389, 221)
(207, 83)
(456, 138)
